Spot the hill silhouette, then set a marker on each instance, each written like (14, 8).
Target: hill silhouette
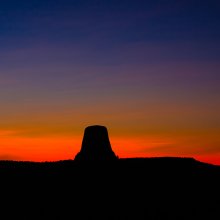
(130, 188)
(133, 188)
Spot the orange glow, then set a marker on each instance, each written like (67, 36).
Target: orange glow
(55, 148)
(212, 159)
(156, 147)
(39, 149)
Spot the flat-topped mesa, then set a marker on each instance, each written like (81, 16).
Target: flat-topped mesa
(96, 145)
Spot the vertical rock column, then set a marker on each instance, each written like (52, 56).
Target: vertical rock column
(96, 145)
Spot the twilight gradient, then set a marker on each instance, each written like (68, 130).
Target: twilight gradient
(148, 70)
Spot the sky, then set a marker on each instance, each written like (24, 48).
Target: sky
(147, 70)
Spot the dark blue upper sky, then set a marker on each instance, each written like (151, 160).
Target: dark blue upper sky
(94, 39)
(107, 23)
(40, 34)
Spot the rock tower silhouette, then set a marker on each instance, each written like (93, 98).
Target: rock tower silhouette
(95, 145)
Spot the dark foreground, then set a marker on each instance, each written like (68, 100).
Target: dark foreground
(154, 188)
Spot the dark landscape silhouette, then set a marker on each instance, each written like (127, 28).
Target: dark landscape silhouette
(99, 185)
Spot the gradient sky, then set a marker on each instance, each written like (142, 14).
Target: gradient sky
(148, 70)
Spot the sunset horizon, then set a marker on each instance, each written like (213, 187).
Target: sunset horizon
(54, 148)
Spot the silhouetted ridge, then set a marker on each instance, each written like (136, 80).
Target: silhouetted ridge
(96, 145)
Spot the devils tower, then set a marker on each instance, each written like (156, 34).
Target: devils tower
(96, 145)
